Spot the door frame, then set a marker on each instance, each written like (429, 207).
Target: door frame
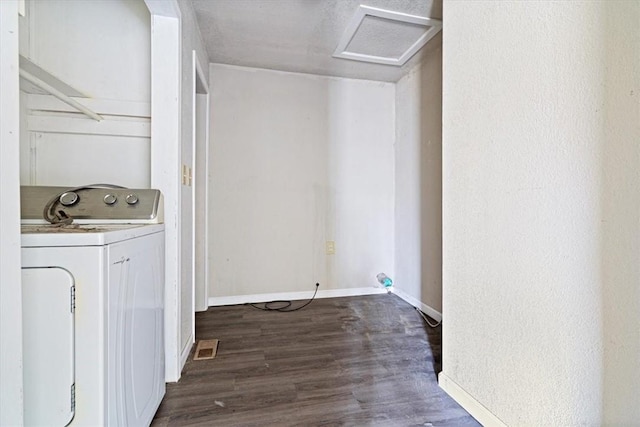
(166, 71)
(200, 188)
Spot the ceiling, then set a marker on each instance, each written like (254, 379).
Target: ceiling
(302, 35)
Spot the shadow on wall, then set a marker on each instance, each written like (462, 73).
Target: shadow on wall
(431, 179)
(620, 215)
(430, 190)
(418, 176)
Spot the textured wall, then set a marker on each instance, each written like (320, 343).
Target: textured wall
(418, 181)
(297, 160)
(540, 209)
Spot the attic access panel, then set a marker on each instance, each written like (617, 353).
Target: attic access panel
(384, 36)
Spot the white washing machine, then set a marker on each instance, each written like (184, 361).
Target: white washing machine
(93, 306)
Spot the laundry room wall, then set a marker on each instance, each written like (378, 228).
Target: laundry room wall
(418, 182)
(298, 160)
(101, 48)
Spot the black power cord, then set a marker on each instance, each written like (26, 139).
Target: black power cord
(282, 305)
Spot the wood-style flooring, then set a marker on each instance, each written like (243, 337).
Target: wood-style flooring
(354, 361)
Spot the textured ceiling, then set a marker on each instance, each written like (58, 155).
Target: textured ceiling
(301, 35)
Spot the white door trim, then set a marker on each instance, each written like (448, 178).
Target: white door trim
(11, 400)
(166, 160)
(201, 187)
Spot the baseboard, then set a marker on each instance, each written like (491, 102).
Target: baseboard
(429, 311)
(470, 404)
(184, 355)
(294, 296)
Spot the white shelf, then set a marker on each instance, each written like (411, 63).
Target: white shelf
(36, 80)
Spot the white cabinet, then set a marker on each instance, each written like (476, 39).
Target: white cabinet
(135, 330)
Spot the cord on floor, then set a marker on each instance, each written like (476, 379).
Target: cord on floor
(282, 305)
(426, 319)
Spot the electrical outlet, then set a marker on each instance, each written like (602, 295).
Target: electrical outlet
(331, 247)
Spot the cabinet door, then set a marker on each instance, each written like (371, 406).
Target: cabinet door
(48, 346)
(136, 335)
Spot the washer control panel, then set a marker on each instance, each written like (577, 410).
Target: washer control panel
(93, 204)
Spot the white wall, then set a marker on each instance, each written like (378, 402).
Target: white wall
(103, 49)
(100, 47)
(541, 236)
(297, 160)
(418, 182)
(11, 402)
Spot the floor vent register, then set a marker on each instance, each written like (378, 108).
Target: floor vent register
(206, 350)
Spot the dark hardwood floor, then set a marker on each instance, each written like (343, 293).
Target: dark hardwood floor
(355, 361)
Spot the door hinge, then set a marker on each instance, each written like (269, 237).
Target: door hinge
(73, 299)
(73, 397)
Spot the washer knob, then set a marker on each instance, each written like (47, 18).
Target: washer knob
(131, 199)
(68, 199)
(110, 199)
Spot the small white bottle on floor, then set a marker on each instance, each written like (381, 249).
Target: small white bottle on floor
(385, 281)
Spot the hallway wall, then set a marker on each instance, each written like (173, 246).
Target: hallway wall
(541, 210)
